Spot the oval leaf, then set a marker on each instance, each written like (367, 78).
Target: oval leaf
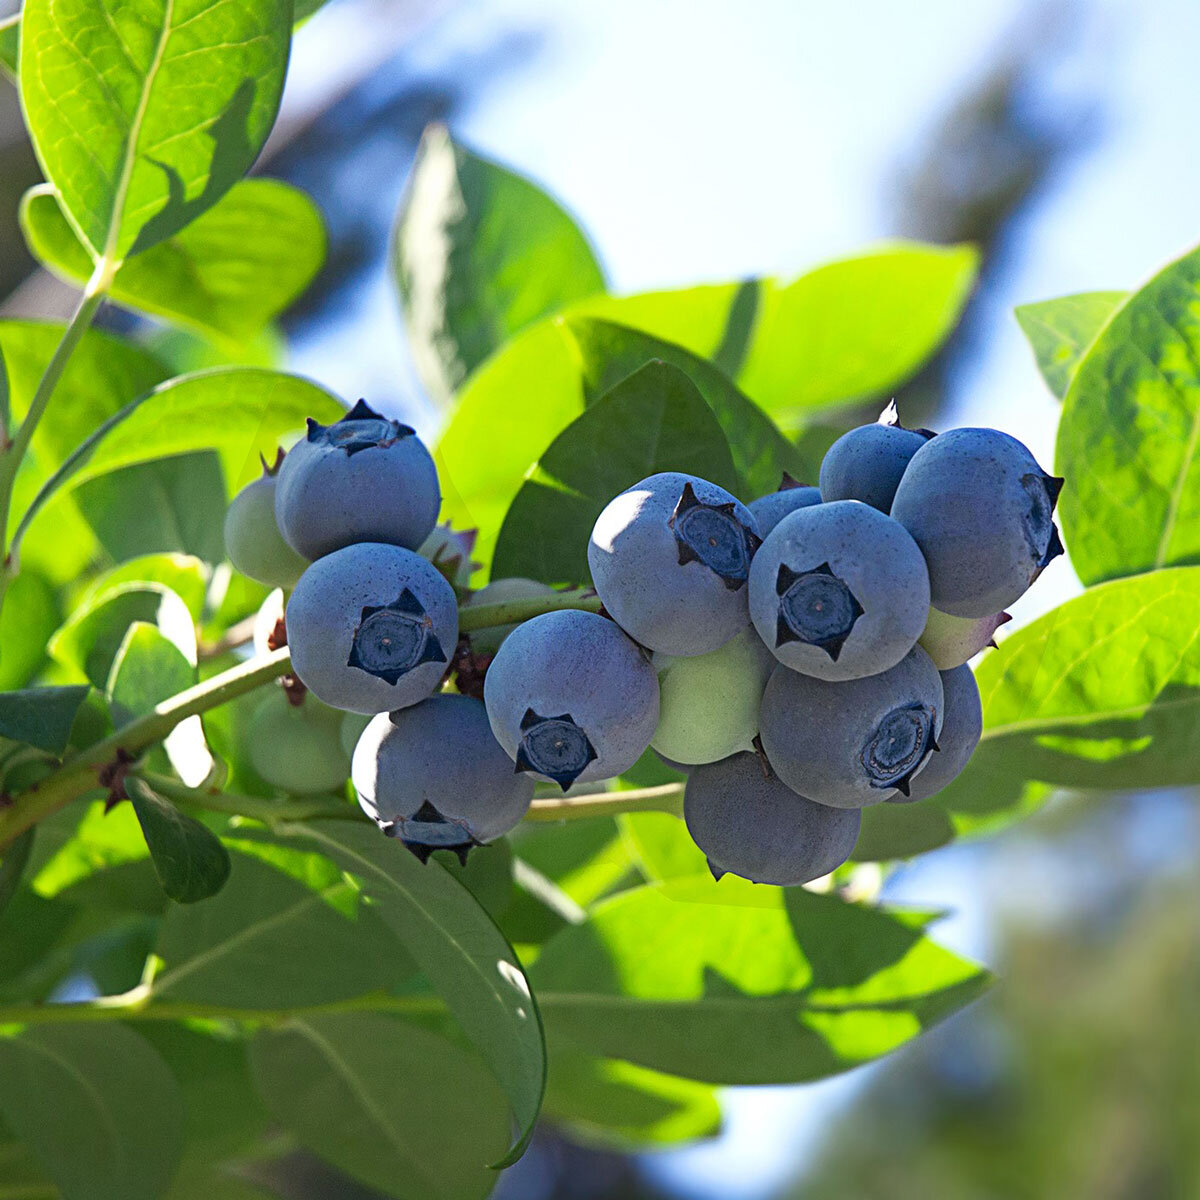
(1103, 692)
(417, 1118)
(189, 860)
(729, 983)
(1060, 331)
(1130, 432)
(271, 941)
(478, 253)
(459, 949)
(41, 717)
(170, 105)
(97, 1106)
(227, 274)
(655, 420)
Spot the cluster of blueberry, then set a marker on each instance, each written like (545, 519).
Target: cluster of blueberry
(799, 657)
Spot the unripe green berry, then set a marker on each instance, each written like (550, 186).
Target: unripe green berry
(708, 707)
(253, 541)
(298, 748)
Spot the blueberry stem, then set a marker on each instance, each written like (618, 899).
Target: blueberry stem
(667, 797)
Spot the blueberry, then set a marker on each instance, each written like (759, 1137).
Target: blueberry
(297, 748)
(669, 559)
(372, 628)
(362, 479)
(770, 509)
(502, 591)
(433, 776)
(571, 698)
(980, 508)
(253, 541)
(951, 641)
(839, 591)
(857, 742)
(749, 823)
(708, 706)
(867, 463)
(961, 731)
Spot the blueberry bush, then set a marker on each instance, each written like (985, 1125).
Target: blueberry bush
(587, 662)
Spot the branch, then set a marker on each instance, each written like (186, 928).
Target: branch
(668, 798)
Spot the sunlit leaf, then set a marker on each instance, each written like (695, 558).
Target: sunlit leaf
(169, 106)
(1060, 331)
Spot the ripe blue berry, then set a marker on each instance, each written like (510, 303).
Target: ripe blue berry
(571, 698)
(856, 742)
(981, 510)
(362, 479)
(297, 747)
(708, 706)
(961, 731)
(770, 509)
(749, 823)
(839, 591)
(371, 628)
(952, 641)
(433, 776)
(669, 559)
(867, 463)
(253, 541)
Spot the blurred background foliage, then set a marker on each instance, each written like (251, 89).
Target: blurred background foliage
(1051, 136)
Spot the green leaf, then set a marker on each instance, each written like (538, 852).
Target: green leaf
(31, 613)
(76, 846)
(88, 643)
(478, 253)
(608, 353)
(621, 1106)
(417, 1118)
(102, 375)
(662, 845)
(10, 40)
(653, 420)
(240, 412)
(226, 275)
(173, 504)
(183, 574)
(741, 984)
(856, 328)
(1103, 692)
(902, 830)
(97, 1107)
(551, 373)
(458, 948)
(168, 109)
(271, 941)
(12, 866)
(41, 716)
(1129, 434)
(148, 668)
(189, 859)
(1060, 331)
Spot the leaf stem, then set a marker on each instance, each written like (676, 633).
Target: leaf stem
(667, 797)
